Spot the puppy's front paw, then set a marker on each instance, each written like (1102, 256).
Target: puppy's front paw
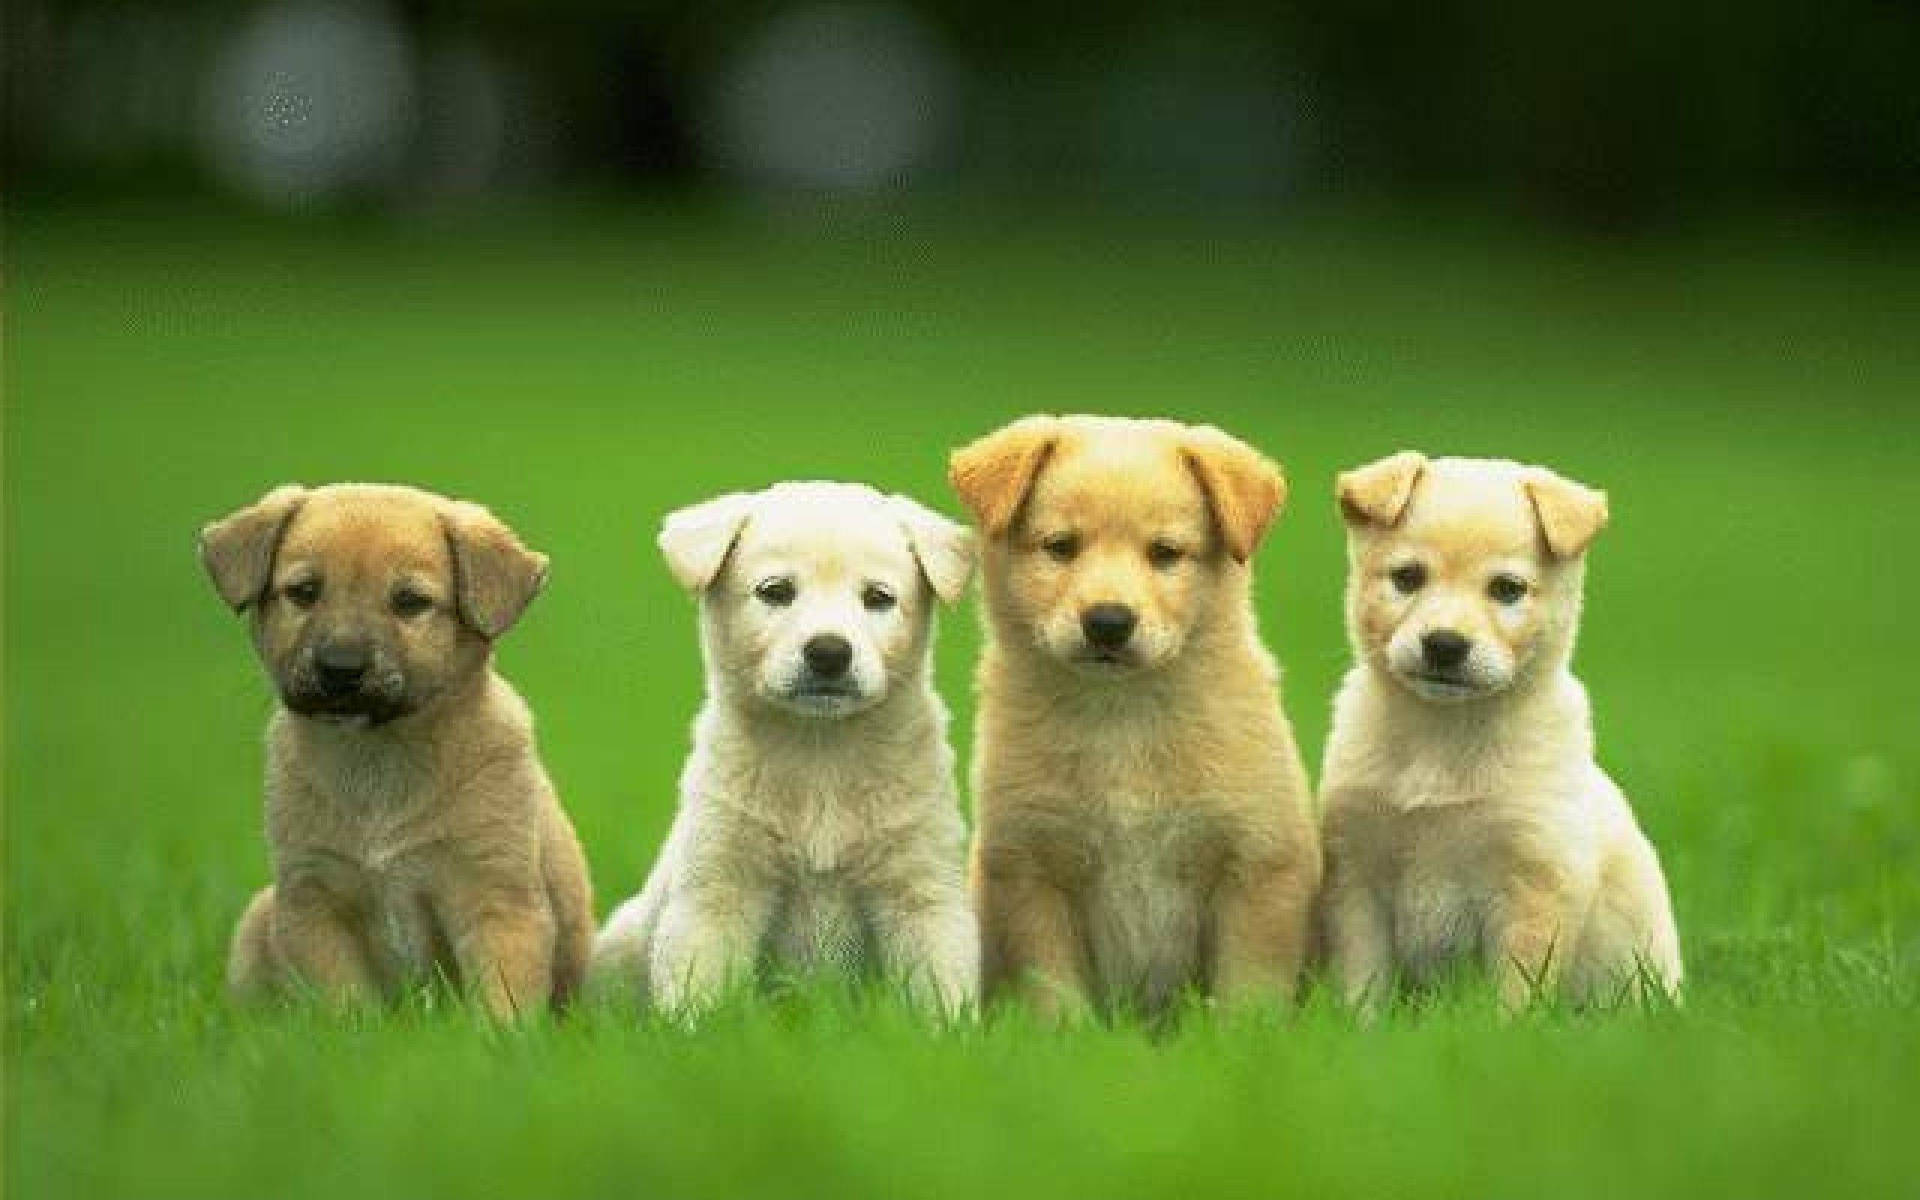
(1058, 1005)
(680, 990)
(688, 979)
(949, 991)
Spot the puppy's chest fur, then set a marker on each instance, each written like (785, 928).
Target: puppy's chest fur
(1151, 872)
(1139, 838)
(824, 839)
(1445, 866)
(816, 847)
(369, 825)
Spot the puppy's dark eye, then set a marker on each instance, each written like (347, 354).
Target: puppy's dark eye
(775, 592)
(304, 593)
(1507, 589)
(408, 602)
(877, 598)
(1061, 547)
(1165, 555)
(1409, 577)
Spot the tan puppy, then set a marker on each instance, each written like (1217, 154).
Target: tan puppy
(1143, 822)
(411, 827)
(819, 826)
(1465, 817)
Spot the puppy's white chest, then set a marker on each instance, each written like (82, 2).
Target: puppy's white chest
(1144, 907)
(402, 920)
(407, 931)
(818, 926)
(402, 923)
(822, 837)
(1436, 919)
(1448, 865)
(817, 923)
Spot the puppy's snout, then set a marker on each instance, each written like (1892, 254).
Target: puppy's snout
(1108, 626)
(1444, 649)
(828, 655)
(341, 665)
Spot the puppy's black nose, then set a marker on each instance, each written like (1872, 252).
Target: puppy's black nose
(1108, 626)
(341, 665)
(1444, 649)
(828, 655)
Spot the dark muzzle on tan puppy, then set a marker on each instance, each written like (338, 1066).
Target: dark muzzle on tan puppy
(412, 829)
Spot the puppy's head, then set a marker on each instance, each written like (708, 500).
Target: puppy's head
(816, 598)
(369, 602)
(1465, 573)
(1111, 541)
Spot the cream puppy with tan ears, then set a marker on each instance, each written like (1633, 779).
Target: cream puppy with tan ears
(1465, 818)
(1144, 823)
(819, 825)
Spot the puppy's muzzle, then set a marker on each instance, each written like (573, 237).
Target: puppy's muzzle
(342, 678)
(827, 656)
(826, 682)
(341, 667)
(1108, 627)
(1443, 651)
(1444, 669)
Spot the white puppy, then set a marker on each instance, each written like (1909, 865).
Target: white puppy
(819, 825)
(1465, 818)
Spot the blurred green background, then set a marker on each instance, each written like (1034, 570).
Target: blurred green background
(589, 269)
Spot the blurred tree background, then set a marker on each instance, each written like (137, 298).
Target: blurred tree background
(1619, 117)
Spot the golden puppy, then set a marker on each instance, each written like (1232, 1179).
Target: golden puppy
(411, 826)
(1465, 817)
(1143, 821)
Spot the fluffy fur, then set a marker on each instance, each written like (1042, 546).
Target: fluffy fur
(412, 829)
(1143, 814)
(818, 822)
(1465, 818)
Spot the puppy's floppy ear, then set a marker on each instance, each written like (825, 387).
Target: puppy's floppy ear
(495, 576)
(944, 548)
(994, 474)
(238, 549)
(1377, 494)
(696, 539)
(1571, 514)
(1244, 488)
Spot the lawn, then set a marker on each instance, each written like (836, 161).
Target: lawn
(1749, 400)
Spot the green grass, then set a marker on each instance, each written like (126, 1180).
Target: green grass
(1748, 402)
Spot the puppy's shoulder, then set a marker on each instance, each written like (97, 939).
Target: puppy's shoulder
(1361, 759)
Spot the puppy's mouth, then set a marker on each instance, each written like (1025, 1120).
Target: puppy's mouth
(1100, 659)
(823, 697)
(362, 710)
(1442, 685)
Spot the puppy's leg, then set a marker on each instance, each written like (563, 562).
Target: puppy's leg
(252, 971)
(1359, 940)
(708, 940)
(623, 950)
(929, 940)
(314, 940)
(1263, 923)
(1528, 941)
(1629, 948)
(503, 940)
(570, 896)
(1029, 944)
